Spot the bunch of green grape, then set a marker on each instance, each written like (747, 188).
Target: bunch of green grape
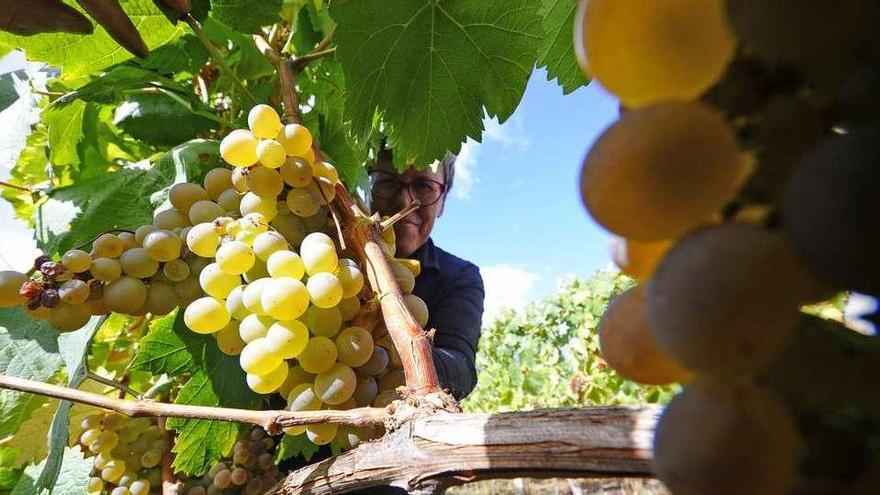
(741, 182)
(251, 470)
(127, 454)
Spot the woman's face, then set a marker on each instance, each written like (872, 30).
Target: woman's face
(413, 230)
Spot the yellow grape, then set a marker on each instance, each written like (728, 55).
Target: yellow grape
(392, 379)
(325, 322)
(125, 295)
(287, 338)
(628, 346)
(267, 243)
(141, 232)
(10, 283)
(169, 219)
(657, 51)
(321, 434)
(349, 307)
(217, 283)
(184, 194)
(264, 121)
(354, 346)
(205, 211)
(235, 303)
(323, 190)
(335, 385)
(271, 153)
(188, 290)
(291, 227)
(128, 240)
(403, 276)
(253, 296)
(230, 200)
(74, 291)
(163, 245)
(235, 257)
(301, 202)
(67, 317)
(285, 298)
(324, 289)
(268, 382)
(137, 263)
(228, 339)
(318, 257)
(301, 398)
(296, 139)
(285, 263)
(295, 376)
(206, 315)
(216, 181)
(176, 270)
(254, 327)
(161, 298)
(239, 148)
(251, 203)
(265, 182)
(113, 471)
(296, 172)
(256, 272)
(203, 240)
(726, 439)
(352, 280)
(638, 259)
(108, 246)
(257, 357)
(418, 308)
(239, 180)
(318, 356)
(76, 260)
(660, 171)
(326, 171)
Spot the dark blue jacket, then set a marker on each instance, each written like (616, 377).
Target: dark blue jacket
(453, 291)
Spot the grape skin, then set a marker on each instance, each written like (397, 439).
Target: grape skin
(336, 384)
(137, 263)
(296, 139)
(318, 356)
(184, 194)
(257, 357)
(254, 326)
(217, 283)
(301, 398)
(354, 346)
(287, 338)
(418, 308)
(10, 283)
(125, 295)
(216, 181)
(325, 322)
(633, 178)
(269, 382)
(264, 121)
(239, 148)
(324, 289)
(235, 257)
(206, 315)
(76, 260)
(285, 298)
(203, 240)
(271, 153)
(285, 264)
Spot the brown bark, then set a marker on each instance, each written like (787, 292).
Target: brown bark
(444, 449)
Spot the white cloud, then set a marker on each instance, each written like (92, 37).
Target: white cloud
(506, 286)
(465, 178)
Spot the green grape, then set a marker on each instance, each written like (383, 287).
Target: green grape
(726, 439)
(169, 219)
(128, 240)
(349, 308)
(404, 277)
(321, 434)
(385, 398)
(239, 148)
(287, 338)
(285, 263)
(125, 295)
(125, 481)
(326, 171)
(638, 259)
(256, 272)
(95, 486)
(733, 321)
(660, 51)
(323, 189)
(264, 121)
(253, 296)
(301, 398)
(216, 181)
(301, 202)
(254, 222)
(296, 139)
(257, 357)
(418, 308)
(151, 458)
(376, 364)
(291, 228)
(627, 345)
(285, 298)
(140, 487)
(354, 346)
(295, 376)
(120, 490)
(324, 289)
(74, 291)
(269, 382)
(163, 245)
(296, 172)
(203, 239)
(176, 270)
(188, 290)
(161, 299)
(633, 178)
(267, 243)
(271, 153)
(10, 283)
(235, 303)
(182, 196)
(217, 283)
(235, 257)
(239, 180)
(230, 200)
(365, 391)
(254, 327)
(205, 211)
(352, 280)
(106, 269)
(89, 436)
(206, 315)
(141, 232)
(325, 322)
(229, 339)
(113, 471)
(318, 356)
(107, 246)
(251, 203)
(335, 385)
(76, 260)
(265, 182)
(137, 263)
(318, 238)
(90, 422)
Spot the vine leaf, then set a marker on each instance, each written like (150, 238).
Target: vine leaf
(557, 54)
(246, 15)
(214, 379)
(430, 67)
(81, 55)
(72, 479)
(295, 446)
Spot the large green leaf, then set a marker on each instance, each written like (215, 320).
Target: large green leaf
(246, 15)
(557, 54)
(65, 132)
(75, 214)
(72, 479)
(214, 379)
(185, 54)
(432, 67)
(160, 119)
(81, 55)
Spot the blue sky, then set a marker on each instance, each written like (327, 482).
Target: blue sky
(515, 208)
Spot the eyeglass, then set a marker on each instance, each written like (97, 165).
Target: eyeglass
(387, 185)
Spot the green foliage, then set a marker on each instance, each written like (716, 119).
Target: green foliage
(295, 446)
(557, 53)
(160, 119)
(548, 355)
(246, 15)
(212, 379)
(72, 478)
